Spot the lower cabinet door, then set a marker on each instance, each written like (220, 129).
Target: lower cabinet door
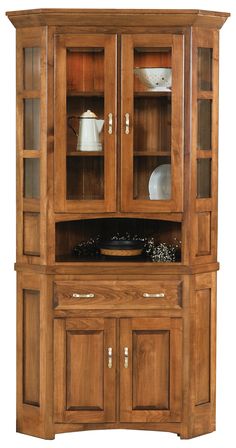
(150, 370)
(85, 366)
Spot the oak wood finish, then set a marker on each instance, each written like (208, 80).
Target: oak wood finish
(63, 380)
(84, 385)
(108, 191)
(118, 17)
(128, 200)
(155, 358)
(118, 294)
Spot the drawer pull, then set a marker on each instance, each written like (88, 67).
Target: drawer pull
(127, 123)
(159, 295)
(109, 353)
(110, 122)
(83, 296)
(126, 357)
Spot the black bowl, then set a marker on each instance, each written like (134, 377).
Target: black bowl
(120, 244)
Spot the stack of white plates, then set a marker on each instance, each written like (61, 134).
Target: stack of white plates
(160, 183)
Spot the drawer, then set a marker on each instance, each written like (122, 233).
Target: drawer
(122, 294)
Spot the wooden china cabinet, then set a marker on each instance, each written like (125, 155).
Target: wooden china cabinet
(108, 342)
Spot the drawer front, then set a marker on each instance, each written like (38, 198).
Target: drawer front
(122, 294)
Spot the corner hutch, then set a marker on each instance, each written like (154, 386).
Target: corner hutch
(116, 342)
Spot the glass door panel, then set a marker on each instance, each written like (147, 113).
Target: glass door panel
(86, 109)
(152, 109)
(85, 135)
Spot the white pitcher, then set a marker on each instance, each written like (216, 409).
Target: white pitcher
(89, 130)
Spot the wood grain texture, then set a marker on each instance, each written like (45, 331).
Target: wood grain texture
(31, 347)
(204, 233)
(151, 369)
(85, 354)
(121, 294)
(118, 17)
(84, 385)
(203, 360)
(31, 223)
(34, 362)
(130, 378)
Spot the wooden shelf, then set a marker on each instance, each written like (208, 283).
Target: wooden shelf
(146, 93)
(102, 258)
(86, 93)
(152, 153)
(85, 154)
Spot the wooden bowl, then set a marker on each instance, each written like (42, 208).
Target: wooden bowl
(121, 248)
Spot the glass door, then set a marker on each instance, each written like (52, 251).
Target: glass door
(152, 123)
(85, 119)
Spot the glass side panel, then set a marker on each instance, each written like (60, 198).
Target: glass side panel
(152, 123)
(31, 178)
(204, 140)
(205, 68)
(32, 68)
(85, 120)
(203, 178)
(32, 123)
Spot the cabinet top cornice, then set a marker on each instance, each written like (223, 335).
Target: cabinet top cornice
(117, 17)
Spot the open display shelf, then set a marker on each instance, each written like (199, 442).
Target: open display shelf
(71, 233)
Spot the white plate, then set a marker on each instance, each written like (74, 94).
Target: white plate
(159, 185)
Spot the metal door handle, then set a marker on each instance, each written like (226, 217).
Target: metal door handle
(158, 295)
(126, 357)
(109, 353)
(76, 295)
(127, 123)
(110, 123)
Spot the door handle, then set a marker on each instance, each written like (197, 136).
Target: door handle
(126, 357)
(157, 295)
(110, 123)
(127, 123)
(109, 354)
(76, 295)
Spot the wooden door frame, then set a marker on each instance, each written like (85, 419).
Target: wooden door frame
(175, 42)
(174, 413)
(108, 42)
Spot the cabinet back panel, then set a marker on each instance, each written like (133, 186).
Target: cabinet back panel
(85, 69)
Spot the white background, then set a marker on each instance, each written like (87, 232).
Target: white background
(226, 366)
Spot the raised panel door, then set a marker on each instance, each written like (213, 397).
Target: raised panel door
(85, 364)
(150, 370)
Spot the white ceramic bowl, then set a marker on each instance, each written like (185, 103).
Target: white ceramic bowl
(155, 78)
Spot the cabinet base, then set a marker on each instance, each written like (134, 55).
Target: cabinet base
(60, 428)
